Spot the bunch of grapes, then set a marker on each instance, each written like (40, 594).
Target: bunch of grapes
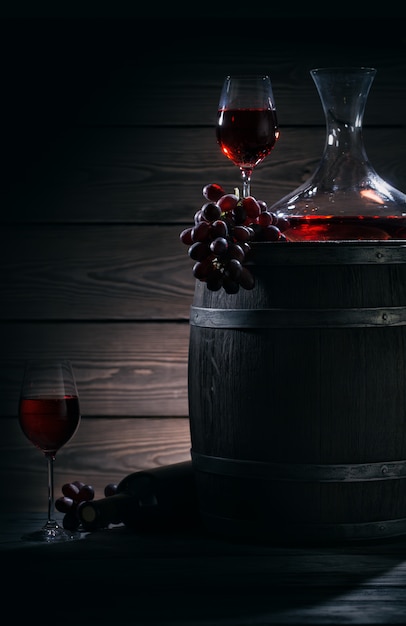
(73, 495)
(220, 239)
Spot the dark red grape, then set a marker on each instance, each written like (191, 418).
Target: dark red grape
(186, 236)
(199, 251)
(271, 233)
(211, 211)
(282, 223)
(70, 490)
(202, 269)
(218, 229)
(228, 202)
(242, 233)
(63, 504)
(199, 217)
(213, 192)
(251, 207)
(236, 252)
(219, 245)
(233, 269)
(78, 484)
(86, 493)
(110, 490)
(265, 219)
(201, 231)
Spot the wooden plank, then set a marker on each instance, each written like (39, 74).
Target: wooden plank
(97, 272)
(102, 451)
(125, 369)
(99, 80)
(156, 175)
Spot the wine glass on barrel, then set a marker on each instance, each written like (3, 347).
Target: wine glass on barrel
(247, 126)
(49, 415)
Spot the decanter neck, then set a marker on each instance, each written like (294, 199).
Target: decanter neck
(343, 93)
(344, 143)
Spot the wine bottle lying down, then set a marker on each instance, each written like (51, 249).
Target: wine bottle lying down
(160, 498)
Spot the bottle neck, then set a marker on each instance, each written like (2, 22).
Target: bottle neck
(112, 510)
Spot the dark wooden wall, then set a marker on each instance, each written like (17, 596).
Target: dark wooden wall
(107, 140)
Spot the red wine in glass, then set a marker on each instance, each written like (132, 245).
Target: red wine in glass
(49, 416)
(49, 423)
(247, 125)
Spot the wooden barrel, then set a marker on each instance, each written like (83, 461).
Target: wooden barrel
(297, 395)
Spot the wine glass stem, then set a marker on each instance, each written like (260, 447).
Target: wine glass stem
(50, 461)
(246, 182)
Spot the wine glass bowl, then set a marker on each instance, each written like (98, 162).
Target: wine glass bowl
(247, 126)
(49, 416)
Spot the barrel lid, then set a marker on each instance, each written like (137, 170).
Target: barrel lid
(327, 252)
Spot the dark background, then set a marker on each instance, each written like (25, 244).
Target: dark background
(107, 140)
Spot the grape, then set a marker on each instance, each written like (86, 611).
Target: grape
(202, 269)
(271, 233)
(86, 493)
(213, 192)
(228, 202)
(211, 211)
(70, 490)
(251, 207)
(219, 229)
(245, 247)
(198, 217)
(242, 233)
(219, 245)
(78, 484)
(186, 236)
(63, 504)
(236, 252)
(201, 231)
(199, 251)
(282, 223)
(110, 490)
(233, 269)
(264, 219)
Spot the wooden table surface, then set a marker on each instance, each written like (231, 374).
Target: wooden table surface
(116, 576)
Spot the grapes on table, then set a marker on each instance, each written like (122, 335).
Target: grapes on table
(220, 239)
(73, 494)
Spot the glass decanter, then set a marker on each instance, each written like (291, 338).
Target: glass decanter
(345, 199)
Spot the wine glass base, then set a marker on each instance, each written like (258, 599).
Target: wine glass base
(52, 535)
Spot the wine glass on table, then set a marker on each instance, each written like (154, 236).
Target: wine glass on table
(247, 126)
(49, 416)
